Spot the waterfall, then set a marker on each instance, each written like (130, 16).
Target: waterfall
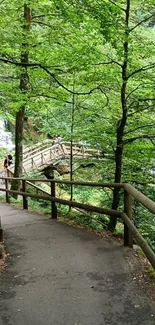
(5, 137)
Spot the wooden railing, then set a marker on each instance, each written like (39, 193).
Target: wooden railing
(44, 154)
(130, 231)
(27, 151)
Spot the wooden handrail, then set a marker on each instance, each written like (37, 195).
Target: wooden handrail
(140, 240)
(36, 146)
(87, 207)
(129, 191)
(39, 189)
(82, 183)
(40, 152)
(143, 199)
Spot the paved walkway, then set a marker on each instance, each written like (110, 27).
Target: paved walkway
(59, 275)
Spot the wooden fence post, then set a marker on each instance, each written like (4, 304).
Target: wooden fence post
(128, 238)
(25, 202)
(53, 204)
(7, 187)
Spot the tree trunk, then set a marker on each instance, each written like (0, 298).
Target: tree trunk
(121, 123)
(71, 171)
(24, 80)
(118, 171)
(71, 148)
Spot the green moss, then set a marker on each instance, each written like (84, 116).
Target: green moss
(140, 253)
(151, 272)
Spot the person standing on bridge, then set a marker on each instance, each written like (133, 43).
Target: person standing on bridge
(9, 159)
(7, 163)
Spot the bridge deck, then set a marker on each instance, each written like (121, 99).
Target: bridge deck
(59, 275)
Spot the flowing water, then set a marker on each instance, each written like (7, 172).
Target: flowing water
(5, 137)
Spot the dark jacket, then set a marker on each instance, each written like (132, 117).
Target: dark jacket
(9, 160)
(6, 162)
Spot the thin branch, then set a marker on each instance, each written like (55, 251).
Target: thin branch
(141, 22)
(145, 68)
(50, 97)
(113, 61)
(115, 4)
(70, 91)
(132, 91)
(144, 136)
(106, 63)
(146, 99)
(39, 65)
(140, 110)
(38, 16)
(139, 127)
(19, 64)
(42, 23)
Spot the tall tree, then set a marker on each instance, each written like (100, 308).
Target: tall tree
(24, 80)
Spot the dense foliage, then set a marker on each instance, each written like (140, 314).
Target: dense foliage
(95, 56)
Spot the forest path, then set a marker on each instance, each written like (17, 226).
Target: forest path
(60, 275)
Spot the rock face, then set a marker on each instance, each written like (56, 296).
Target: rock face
(63, 169)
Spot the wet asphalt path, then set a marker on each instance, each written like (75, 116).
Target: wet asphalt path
(59, 275)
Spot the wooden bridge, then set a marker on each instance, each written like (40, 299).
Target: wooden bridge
(44, 154)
